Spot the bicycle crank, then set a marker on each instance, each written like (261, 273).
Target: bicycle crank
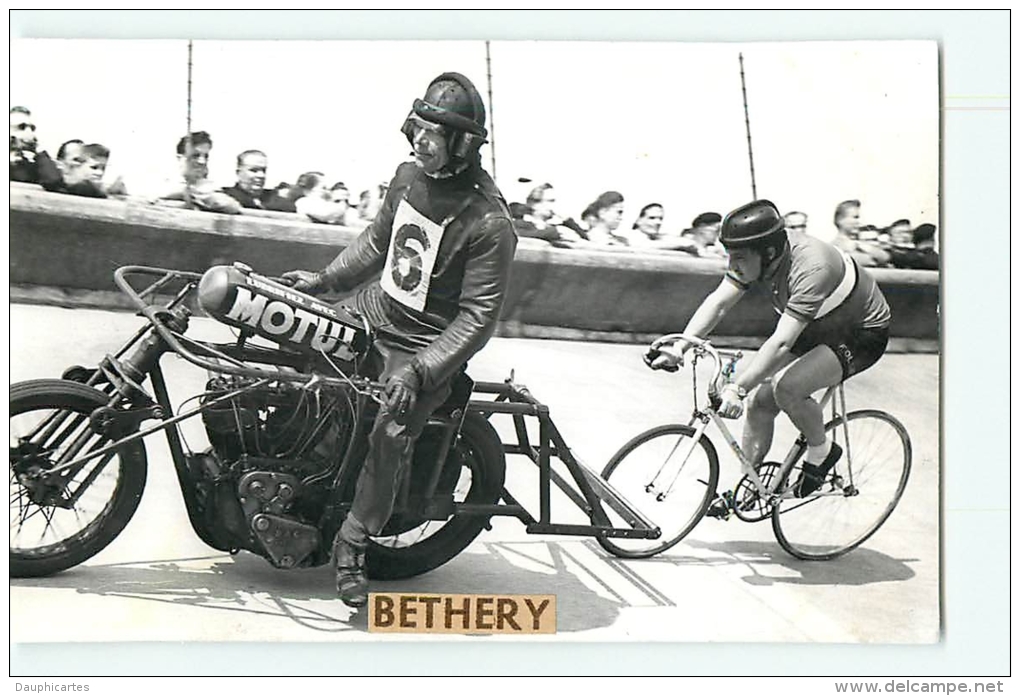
(748, 504)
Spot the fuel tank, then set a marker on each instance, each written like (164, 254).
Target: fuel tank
(243, 299)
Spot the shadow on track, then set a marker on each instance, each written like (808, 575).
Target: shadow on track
(574, 571)
(862, 566)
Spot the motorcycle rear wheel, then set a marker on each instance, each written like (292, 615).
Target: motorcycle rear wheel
(480, 465)
(50, 531)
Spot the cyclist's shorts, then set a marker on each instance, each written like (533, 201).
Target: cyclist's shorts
(856, 350)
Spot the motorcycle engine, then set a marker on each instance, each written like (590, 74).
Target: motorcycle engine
(277, 421)
(274, 452)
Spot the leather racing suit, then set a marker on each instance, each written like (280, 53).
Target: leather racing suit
(442, 248)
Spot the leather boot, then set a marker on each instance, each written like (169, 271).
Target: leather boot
(351, 578)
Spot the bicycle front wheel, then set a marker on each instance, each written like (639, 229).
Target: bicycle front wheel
(858, 495)
(667, 476)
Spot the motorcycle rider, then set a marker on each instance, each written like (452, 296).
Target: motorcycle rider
(441, 248)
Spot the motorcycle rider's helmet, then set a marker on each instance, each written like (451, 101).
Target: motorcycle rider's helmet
(757, 226)
(451, 100)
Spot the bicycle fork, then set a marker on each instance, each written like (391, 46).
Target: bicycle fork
(656, 484)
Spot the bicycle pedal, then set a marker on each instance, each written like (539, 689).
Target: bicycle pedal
(719, 510)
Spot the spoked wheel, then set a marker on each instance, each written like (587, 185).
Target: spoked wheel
(654, 473)
(60, 520)
(858, 495)
(474, 472)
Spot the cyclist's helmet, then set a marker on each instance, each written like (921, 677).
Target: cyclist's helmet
(452, 101)
(757, 226)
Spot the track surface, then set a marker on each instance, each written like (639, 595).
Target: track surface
(728, 581)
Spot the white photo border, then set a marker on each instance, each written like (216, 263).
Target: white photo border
(974, 58)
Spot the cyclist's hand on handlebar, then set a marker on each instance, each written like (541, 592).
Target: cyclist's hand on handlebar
(731, 401)
(663, 358)
(305, 281)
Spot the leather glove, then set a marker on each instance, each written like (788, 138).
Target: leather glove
(401, 391)
(731, 401)
(305, 281)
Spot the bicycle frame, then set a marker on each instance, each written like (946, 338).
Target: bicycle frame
(701, 418)
(795, 452)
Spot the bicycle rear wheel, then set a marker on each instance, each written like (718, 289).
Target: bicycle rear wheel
(652, 474)
(858, 495)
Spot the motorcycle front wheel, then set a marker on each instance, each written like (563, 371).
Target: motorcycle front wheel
(474, 471)
(61, 519)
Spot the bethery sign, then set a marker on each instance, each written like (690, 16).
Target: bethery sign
(461, 613)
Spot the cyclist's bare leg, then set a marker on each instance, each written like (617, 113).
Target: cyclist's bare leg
(759, 426)
(817, 369)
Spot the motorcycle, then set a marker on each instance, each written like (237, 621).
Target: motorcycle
(287, 425)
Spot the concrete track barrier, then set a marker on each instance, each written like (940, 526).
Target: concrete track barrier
(63, 250)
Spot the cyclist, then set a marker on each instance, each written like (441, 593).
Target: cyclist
(833, 323)
(439, 252)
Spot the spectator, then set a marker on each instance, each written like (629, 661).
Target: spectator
(649, 221)
(82, 168)
(537, 218)
(79, 170)
(93, 169)
(97, 160)
(647, 232)
(369, 203)
(926, 245)
(27, 164)
(704, 233)
(924, 236)
(313, 200)
(869, 234)
(309, 183)
(250, 189)
(281, 198)
(796, 220)
(192, 181)
(69, 157)
(919, 253)
(900, 234)
(848, 221)
(340, 196)
(605, 214)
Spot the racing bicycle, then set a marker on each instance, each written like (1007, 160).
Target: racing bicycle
(671, 472)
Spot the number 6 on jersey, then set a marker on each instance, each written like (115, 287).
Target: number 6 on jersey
(411, 257)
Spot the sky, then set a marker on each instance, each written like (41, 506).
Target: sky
(657, 121)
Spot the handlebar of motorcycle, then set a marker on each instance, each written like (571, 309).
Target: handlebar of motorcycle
(168, 275)
(120, 276)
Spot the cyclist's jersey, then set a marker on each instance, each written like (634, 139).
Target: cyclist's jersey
(817, 281)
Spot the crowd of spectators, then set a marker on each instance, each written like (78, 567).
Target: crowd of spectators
(899, 245)
(601, 226)
(80, 169)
